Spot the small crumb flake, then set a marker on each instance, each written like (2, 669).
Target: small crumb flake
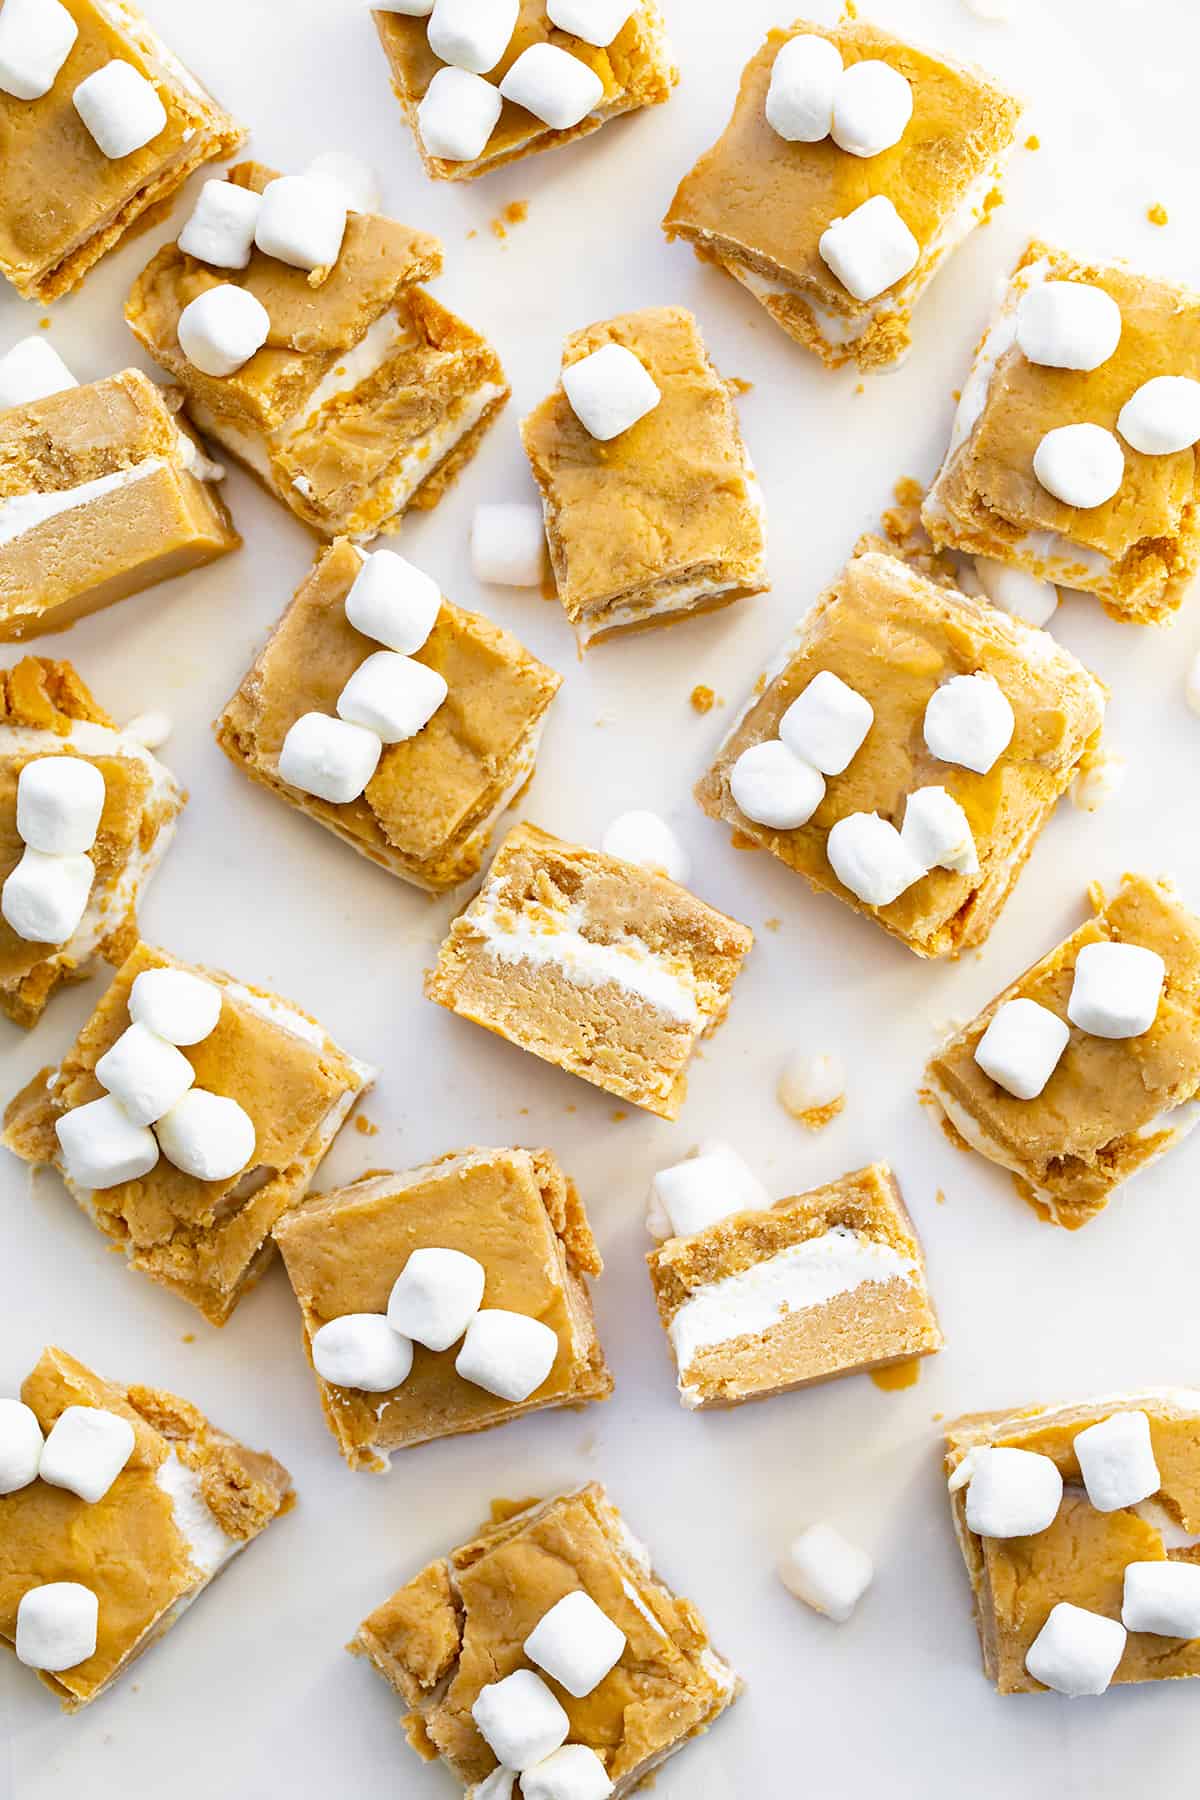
(740, 841)
(1032, 142)
(908, 491)
(515, 213)
(364, 1126)
(737, 385)
(618, 1116)
(1157, 214)
(703, 699)
(772, 924)
(940, 1197)
(189, 1337)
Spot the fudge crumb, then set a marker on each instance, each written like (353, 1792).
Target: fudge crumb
(740, 841)
(908, 491)
(703, 699)
(43, 324)
(364, 1126)
(618, 1116)
(938, 1417)
(189, 1337)
(472, 234)
(737, 385)
(1032, 142)
(523, 1112)
(940, 1197)
(772, 924)
(861, 388)
(515, 213)
(898, 1375)
(1157, 214)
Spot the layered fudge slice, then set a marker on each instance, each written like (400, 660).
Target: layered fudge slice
(102, 493)
(428, 808)
(186, 1139)
(605, 60)
(905, 749)
(350, 392)
(128, 803)
(627, 1670)
(479, 1241)
(665, 518)
(833, 195)
(127, 1502)
(1062, 462)
(1087, 1067)
(594, 964)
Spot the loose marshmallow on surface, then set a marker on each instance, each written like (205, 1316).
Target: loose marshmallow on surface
(1099, 779)
(102, 1147)
(222, 226)
(393, 602)
(1116, 1460)
(595, 21)
(59, 803)
(35, 39)
(938, 832)
(435, 1297)
(120, 108)
(573, 1773)
(20, 1446)
(57, 1625)
(520, 1720)
(1021, 1047)
(969, 721)
(472, 34)
(206, 1135)
(553, 85)
(86, 1450)
(1012, 1493)
(301, 222)
(1076, 1652)
(576, 1644)
(811, 1084)
(1162, 416)
(691, 1195)
(1081, 465)
(645, 839)
(174, 1004)
(1116, 990)
(872, 105)
(609, 391)
(508, 544)
(804, 76)
(329, 758)
(507, 1354)
(1162, 1597)
(361, 1350)
(458, 115)
(870, 249)
(774, 787)
(827, 724)
(354, 179)
(222, 328)
(45, 897)
(868, 855)
(392, 695)
(827, 1572)
(32, 370)
(1017, 592)
(1068, 325)
(145, 1073)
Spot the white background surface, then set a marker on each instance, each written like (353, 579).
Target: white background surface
(252, 1696)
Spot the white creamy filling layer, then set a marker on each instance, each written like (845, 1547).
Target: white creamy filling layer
(210, 1547)
(20, 513)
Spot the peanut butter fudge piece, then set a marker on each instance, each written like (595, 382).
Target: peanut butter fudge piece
(1137, 545)
(461, 130)
(770, 211)
(367, 396)
(594, 964)
(204, 1235)
(428, 810)
(46, 711)
(182, 1504)
(872, 666)
(1085, 1557)
(461, 1627)
(829, 1283)
(667, 519)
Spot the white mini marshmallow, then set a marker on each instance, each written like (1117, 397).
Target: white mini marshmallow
(59, 803)
(553, 85)
(1116, 990)
(826, 725)
(872, 105)
(57, 1625)
(1068, 325)
(969, 721)
(120, 108)
(1017, 592)
(800, 98)
(508, 544)
(938, 832)
(458, 115)
(808, 1083)
(435, 1297)
(1081, 465)
(222, 328)
(102, 1147)
(176, 1005)
(354, 179)
(146, 1074)
(35, 40)
(691, 1195)
(1076, 1652)
(393, 602)
(20, 1445)
(868, 855)
(301, 222)
(85, 1451)
(472, 34)
(361, 1350)
(1162, 416)
(208, 1136)
(827, 1572)
(1116, 1460)
(1021, 1047)
(595, 21)
(774, 787)
(392, 695)
(645, 839)
(575, 1643)
(32, 370)
(1162, 1597)
(1097, 782)
(870, 249)
(222, 226)
(1012, 1493)
(45, 897)
(573, 1773)
(329, 758)
(507, 1353)
(520, 1720)
(609, 391)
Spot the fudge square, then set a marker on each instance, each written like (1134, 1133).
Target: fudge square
(191, 1204)
(460, 1628)
(101, 495)
(885, 651)
(480, 126)
(429, 808)
(138, 1521)
(788, 219)
(1134, 540)
(1125, 1549)
(1100, 1107)
(367, 396)
(518, 1219)
(829, 1283)
(592, 963)
(665, 520)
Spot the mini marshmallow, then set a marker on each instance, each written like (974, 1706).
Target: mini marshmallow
(206, 1135)
(1068, 325)
(1162, 1597)
(176, 1005)
(1021, 1047)
(35, 40)
(774, 787)
(609, 391)
(868, 855)
(804, 76)
(810, 1084)
(458, 115)
(691, 1195)
(222, 328)
(45, 897)
(59, 803)
(553, 85)
(435, 1297)
(573, 1773)
(645, 839)
(520, 1720)
(222, 226)
(120, 108)
(1081, 465)
(472, 34)
(872, 105)
(870, 249)
(595, 21)
(1116, 1460)
(393, 602)
(1017, 592)
(301, 222)
(392, 695)
(1162, 416)
(102, 1147)
(938, 832)
(826, 725)
(827, 1572)
(147, 1075)
(1097, 782)
(57, 1625)
(507, 1354)
(354, 179)
(1116, 990)
(1076, 1652)
(1012, 1493)
(576, 1644)
(361, 1350)
(32, 370)
(969, 721)
(86, 1450)
(329, 758)
(20, 1446)
(508, 544)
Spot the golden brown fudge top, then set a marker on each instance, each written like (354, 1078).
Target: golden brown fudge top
(84, 433)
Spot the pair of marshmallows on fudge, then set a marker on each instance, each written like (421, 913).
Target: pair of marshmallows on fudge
(120, 108)
(149, 1083)
(60, 800)
(390, 697)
